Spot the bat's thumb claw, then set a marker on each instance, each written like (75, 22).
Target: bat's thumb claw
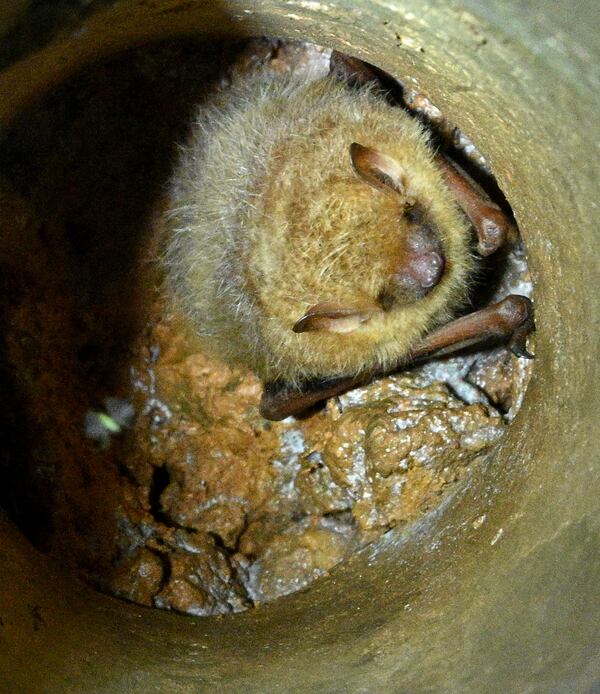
(520, 351)
(518, 340)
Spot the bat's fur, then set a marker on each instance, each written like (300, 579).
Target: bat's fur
(268, 218)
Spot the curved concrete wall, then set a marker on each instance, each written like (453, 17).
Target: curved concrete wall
(512, 605)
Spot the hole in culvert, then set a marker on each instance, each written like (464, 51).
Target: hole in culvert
(199, 505)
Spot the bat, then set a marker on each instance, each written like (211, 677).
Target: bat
(316, 237)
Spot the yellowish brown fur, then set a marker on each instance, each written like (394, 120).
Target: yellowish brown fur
(268, 217)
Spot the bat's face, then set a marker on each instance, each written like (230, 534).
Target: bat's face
(402, 252)
(372, 255)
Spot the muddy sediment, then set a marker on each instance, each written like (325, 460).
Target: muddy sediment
(197, 504)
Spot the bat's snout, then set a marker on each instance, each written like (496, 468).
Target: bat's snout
(419, 269)
(425, 270)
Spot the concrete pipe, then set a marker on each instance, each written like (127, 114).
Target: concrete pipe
(510, 605)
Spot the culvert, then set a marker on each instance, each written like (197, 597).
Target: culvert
(507, 603)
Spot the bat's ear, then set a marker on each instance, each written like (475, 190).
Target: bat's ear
(380, 170)
(333, 318)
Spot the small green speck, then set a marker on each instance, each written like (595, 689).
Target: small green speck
(109, 423)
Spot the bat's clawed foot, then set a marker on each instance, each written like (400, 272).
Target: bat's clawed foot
(518, 344)
(518, 340)
(510, 319)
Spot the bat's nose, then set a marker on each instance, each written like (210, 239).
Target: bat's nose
(426, 269)
(424, 261)
(418, 268)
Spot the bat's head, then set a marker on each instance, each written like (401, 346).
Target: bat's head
(305, 254)
(413, 256)
(374, 254)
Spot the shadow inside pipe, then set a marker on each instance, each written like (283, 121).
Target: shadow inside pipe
(80, 177)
